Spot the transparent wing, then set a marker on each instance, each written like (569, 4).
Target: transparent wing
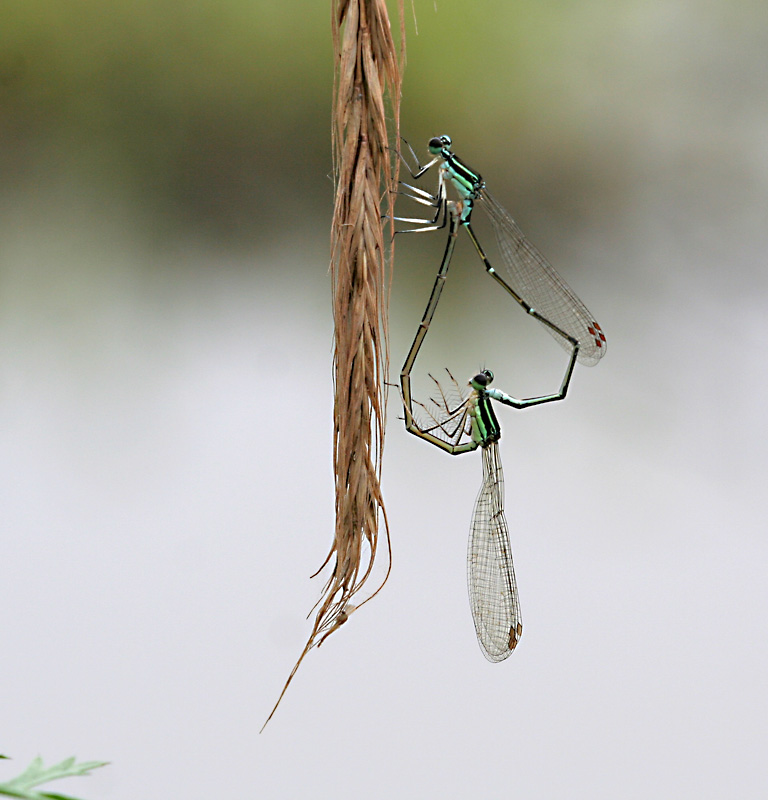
(536, 281)
(491, 576)
(445, 415)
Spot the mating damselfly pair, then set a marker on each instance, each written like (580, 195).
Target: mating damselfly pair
(462, 419)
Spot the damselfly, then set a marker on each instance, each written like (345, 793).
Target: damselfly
(533, 282)
(459, 421)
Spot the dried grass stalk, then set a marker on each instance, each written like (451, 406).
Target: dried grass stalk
(368, 72)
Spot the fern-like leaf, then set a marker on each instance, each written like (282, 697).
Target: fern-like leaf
(36, 773)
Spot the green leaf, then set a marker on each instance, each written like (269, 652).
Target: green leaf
(35, 774)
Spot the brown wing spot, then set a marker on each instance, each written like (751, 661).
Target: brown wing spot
(514, 635)
(597, 332)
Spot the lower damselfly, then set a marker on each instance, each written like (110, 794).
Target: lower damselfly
(532, 281)
(462, 419)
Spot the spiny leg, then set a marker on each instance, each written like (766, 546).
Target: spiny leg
(419, 169)
(443, 402)
(437, 201)
(451, 434)
(447, 414)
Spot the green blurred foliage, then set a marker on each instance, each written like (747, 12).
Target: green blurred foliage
(216, 115)
(197, 110)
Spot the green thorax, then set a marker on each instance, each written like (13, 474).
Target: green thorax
(466, 181)
(485, 426)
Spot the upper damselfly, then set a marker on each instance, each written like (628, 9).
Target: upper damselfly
(532, 281)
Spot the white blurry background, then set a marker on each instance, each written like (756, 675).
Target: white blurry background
(165, 410)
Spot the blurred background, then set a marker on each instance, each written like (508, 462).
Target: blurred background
(166, 396)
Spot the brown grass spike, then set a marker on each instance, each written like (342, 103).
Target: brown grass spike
(368, 73)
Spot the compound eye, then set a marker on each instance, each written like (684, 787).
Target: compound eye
(446, 141)
(488, 374)
(435, 145)
(481, 379)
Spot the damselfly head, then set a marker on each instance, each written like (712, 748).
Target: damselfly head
(482, 379)
(438, 143)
